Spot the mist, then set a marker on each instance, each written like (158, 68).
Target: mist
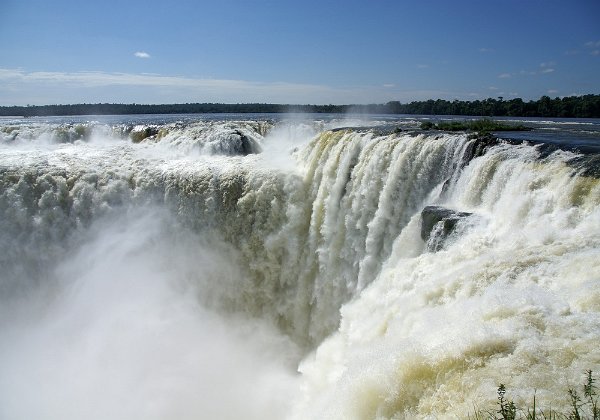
(170, 279)
(124, 329)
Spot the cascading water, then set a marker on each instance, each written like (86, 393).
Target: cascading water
(512, 298)
(185, 269)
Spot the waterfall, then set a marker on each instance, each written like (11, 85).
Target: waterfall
(218, 232)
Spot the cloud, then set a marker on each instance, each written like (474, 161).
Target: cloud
(422, 66)
(493, 88)
(593, 46)
(20, 87)
(544, 69)
(99, 79)
(547, 67)
(485, 50)
(142, 54)
(552, 91)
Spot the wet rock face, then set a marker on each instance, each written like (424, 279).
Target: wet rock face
(437, 223)
(234, 143)
(479, 147)
(244, 145)
(140, 133)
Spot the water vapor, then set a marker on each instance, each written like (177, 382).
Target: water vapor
(125, 336)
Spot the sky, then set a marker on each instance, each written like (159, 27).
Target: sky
(295, 52)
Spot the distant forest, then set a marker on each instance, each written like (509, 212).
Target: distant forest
(586, 106)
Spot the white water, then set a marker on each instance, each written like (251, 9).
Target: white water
(162, 280)
(122, 335)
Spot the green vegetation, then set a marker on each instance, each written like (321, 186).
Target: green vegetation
(582, 407)
(482, 126)
(586, 106)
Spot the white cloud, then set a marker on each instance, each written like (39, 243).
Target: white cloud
(422, 66)
(552, 91)
(493, 88)
(547, 67)
(593, 46)
(142, 54)
(179, 86)
(20, 87)
(485, 50)
(544, 69)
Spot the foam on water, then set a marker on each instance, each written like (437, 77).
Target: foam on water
(172, 278)
(512, 299)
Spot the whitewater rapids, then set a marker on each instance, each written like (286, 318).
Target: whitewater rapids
(276, 269)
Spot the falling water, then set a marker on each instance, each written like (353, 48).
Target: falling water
(278, 269)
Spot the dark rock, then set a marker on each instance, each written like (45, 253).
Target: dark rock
(439, 222)
(246, 145)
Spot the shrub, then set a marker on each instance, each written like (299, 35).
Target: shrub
(582, 407)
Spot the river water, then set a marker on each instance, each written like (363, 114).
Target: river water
(265, 266)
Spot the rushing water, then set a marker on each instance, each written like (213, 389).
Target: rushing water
(228, 267)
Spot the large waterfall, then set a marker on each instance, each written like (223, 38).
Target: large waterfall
(165, 268)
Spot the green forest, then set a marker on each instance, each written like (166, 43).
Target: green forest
(586, 106)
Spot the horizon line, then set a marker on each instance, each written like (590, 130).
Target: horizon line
(499, 98)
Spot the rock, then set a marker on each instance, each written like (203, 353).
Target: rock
(233, 143)
(437, 223)
(478, 147)
(141, 132)
(246, 145)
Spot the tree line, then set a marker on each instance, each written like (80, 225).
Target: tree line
(586, 106)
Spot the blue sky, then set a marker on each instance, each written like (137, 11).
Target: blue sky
(295, 52)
